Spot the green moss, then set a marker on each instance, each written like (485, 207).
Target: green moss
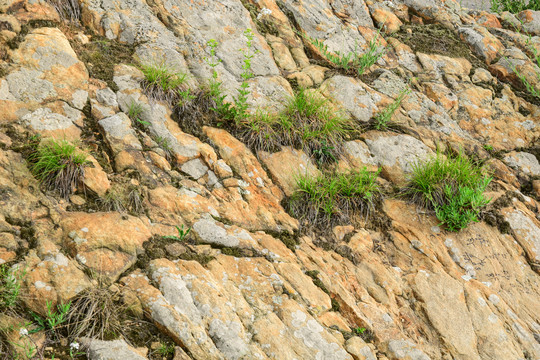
(314, 275)
(335, 305)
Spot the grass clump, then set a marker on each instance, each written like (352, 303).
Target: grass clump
(452, 186)
(164, 83)
(351, 62)
(96, 313)
(57, 164)
(514, 6)
(383, 120)
(308, 122)
(334, 197)
(123, 199)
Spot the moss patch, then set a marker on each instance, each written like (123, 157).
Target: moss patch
(28, 27)
(436, 39)
(100, 55)
(314, 275)
(155, 248)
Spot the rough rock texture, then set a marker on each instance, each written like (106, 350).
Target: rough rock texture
(251, 281)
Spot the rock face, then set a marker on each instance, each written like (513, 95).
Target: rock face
(186, 219)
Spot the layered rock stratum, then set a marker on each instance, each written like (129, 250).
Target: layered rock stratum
(254, 282)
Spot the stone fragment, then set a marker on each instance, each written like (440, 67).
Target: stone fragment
(524, 162)
(287, 165)
(106, 243)
(110, 350)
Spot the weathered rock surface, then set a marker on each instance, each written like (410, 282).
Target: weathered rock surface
(249, 281)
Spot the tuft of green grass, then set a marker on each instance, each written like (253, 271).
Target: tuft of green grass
(10, 286)
(162, 82)
(514, 6)
(383, 119)
(182, 234)
(334, 197)
(353, 61)
(165, 349)
(308, 122)
(452, 186)
(57, 164)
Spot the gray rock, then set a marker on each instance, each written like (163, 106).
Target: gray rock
(27, 85)
(527, 231)
(45, 119)
(119, 133)
(349, 94)
(175, 291)
(110, 350)
(195, 168)
(531, 21)
(406, 350)
(210, 231)
(106, 97)
(227, 338)
(319, 23)
(79, 98)
(399, 150)
(523, 161)
(4, 91)
(389, 84)
(359, 151)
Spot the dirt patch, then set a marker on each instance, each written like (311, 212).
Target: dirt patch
(100, 55)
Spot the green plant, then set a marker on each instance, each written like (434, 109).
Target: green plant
(10, 286)
(74, 350)
(165, 349)
(237, 110)
(452, 186)
(514, 6)
(240, 102)
(163, 82)
(333, 196)
(57, 164)
(325, 153)
(53, 318)
(135, 111)
(383, 119)
(308, 122)
(531, 89)
(359, 330)
(351, 61)
(182, 233)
